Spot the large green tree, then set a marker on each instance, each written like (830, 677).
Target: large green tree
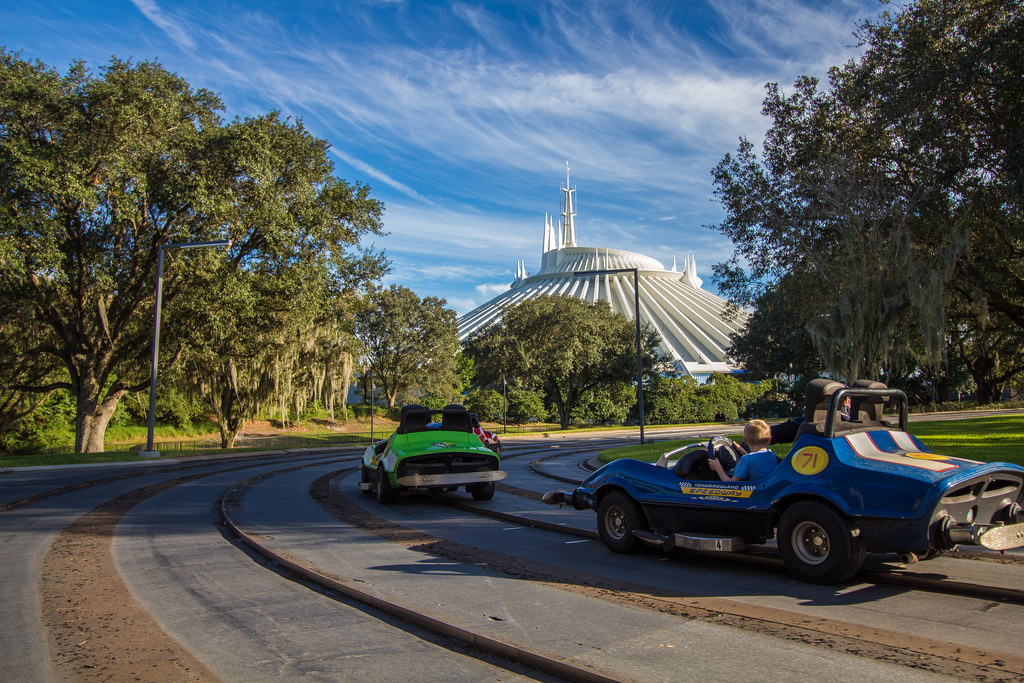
(816, 223)
(948, 76)
(410, 344)
(564, 347)
(896, 190)
(98, 171)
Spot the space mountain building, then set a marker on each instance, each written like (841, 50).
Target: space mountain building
(695, 334)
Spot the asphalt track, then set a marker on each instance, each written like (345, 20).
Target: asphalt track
(248, 621)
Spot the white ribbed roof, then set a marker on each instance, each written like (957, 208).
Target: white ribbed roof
(694, 335)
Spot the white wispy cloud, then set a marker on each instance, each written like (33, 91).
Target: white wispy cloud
(489, 291)
(166, 23)
(383, 177)
(460, 116)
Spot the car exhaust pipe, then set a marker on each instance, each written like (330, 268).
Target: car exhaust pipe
(562, 497)
(554, 498)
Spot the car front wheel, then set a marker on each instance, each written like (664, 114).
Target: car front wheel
(818, 544)
(617, 517)
(482, 491)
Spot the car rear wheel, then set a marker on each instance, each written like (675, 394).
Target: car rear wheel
(818, 544)
(386, 493)
(482, 491)
(617, 517)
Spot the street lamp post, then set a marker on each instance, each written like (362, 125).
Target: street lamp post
(636, 317)
(149, 452)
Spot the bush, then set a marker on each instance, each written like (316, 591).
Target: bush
(671, 400)
(605, 407)
(486, 403)
(526, 406)
(51, 424)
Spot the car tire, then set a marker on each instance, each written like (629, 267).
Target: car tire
(482, 491)
(818, 544)
(617, 517)
(386, 493)
(365, 477)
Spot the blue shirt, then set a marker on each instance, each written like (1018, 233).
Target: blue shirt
(756, 465)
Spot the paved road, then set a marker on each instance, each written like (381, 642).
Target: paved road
(249, 623)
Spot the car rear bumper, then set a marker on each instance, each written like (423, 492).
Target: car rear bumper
(418, 480)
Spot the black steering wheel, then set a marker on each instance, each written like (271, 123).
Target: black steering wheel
(721, 448)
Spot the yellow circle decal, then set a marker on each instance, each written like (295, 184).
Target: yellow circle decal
(810, 460)
(927, 456)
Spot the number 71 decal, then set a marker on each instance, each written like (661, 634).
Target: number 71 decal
(810, 460)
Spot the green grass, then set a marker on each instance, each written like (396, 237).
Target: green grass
(187, 449)
(45, 459)
(989, 439)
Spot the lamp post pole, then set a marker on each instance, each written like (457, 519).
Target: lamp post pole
(636, 318)
(149, 452)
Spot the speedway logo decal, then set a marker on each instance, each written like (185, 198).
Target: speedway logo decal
(442, 444)
(704, 489)
(905, 452)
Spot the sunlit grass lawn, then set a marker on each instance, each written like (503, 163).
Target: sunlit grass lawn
(46, 459)
(989, 439)
(183, 449)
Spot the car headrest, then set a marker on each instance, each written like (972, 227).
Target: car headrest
(413, 418)
(817, 395)
(455, 418)
(867, 408)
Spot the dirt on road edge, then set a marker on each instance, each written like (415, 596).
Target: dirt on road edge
(97, 630)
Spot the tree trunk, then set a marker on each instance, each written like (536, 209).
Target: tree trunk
(989, 390)
(91, 429)
(92, 415)
(564, 410)
(228, 419)
(346, 379)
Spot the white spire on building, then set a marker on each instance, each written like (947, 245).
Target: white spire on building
(568, 211)
(690, 272)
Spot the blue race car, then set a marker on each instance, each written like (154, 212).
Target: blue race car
(847, 487)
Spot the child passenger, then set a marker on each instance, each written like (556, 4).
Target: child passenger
(757, 464)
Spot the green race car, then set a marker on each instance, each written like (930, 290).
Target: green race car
(430, 453)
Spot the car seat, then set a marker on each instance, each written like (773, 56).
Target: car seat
(455, 418)
(817, 397)
(693, 465)
(868, 408)
(413, 418)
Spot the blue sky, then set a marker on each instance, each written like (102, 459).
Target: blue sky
(460, 115)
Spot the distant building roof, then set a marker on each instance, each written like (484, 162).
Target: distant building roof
(695, 335)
